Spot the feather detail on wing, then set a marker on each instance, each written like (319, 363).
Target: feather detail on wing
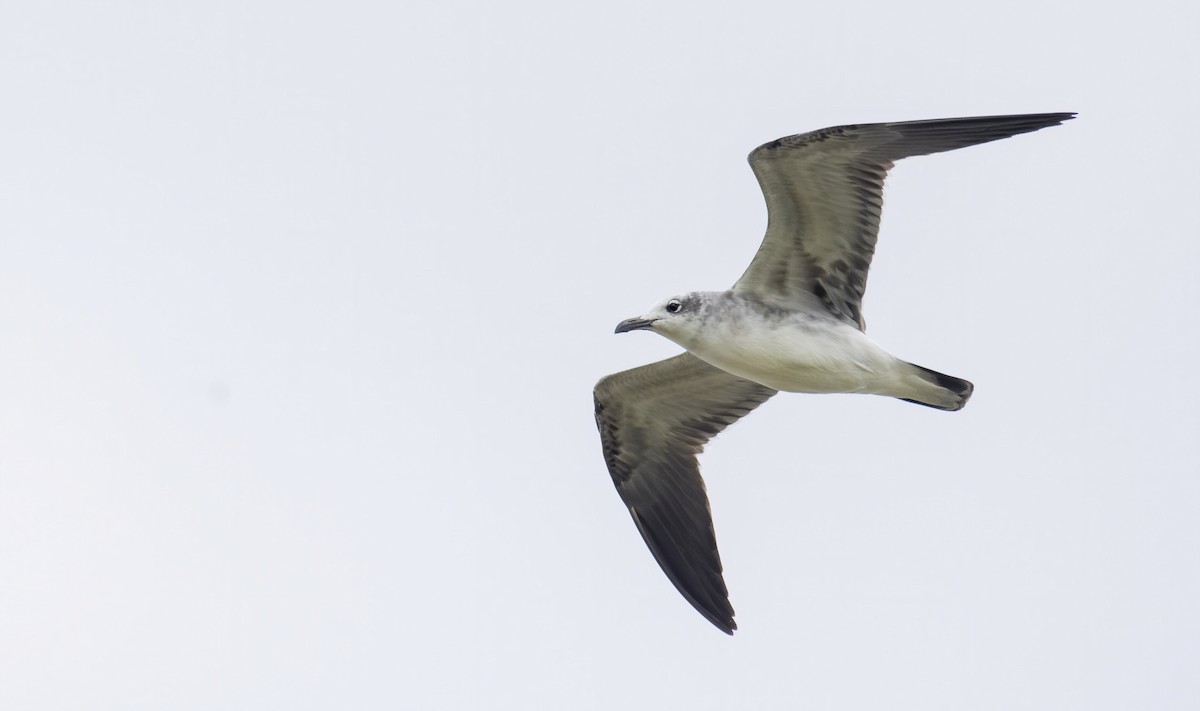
(654, 420)
(824, 194)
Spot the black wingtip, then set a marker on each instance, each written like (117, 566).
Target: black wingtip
(985, 127)
(708, 595)
(1052, 119)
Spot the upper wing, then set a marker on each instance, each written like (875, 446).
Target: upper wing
(653, 421)
(824, 193)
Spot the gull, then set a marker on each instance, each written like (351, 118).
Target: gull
(792, 322)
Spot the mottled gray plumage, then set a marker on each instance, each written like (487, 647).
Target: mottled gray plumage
(793, 321)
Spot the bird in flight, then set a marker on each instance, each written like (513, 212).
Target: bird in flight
(792, 322)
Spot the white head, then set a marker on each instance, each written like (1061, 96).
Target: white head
(679, 318)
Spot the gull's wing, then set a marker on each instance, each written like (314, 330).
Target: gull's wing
(653, 421)
(824, 193)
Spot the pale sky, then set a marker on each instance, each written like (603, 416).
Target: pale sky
(301, 305)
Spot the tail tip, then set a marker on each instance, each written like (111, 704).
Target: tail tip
(955, 391)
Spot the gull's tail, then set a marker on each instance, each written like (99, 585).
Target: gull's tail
(933, 389)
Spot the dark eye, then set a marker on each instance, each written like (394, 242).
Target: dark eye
(673, 306)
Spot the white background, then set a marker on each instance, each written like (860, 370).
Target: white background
(301, 305)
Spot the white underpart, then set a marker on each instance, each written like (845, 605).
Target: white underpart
(802, 355)
(799, 350)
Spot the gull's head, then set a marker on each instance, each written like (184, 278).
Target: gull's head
(676, 317)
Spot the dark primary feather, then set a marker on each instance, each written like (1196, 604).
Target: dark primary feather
(824, 194)
(653, 421)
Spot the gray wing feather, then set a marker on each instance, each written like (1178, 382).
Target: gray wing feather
(654, 420)
(824, 193)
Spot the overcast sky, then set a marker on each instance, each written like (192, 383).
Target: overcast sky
(301, 305)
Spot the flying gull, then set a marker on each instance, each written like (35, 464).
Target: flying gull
(792, 322)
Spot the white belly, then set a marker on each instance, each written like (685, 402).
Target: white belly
(801, 356)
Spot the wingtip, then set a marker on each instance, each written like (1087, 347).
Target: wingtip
(725, 624)
(720, 619)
